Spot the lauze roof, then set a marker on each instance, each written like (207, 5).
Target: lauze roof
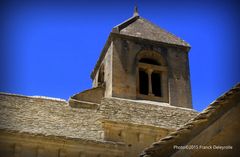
(138, 27)
(142, 28)
(182, 136)
(52, 117)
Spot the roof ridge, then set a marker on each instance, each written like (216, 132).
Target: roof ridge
(140, 27)
(153, 103)
(219, 107)
(139, 31)
(40, 97)
(125, 23)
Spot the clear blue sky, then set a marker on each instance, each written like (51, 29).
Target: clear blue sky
(49, 48)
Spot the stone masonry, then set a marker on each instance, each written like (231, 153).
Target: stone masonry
(47, 119)
(141, 92)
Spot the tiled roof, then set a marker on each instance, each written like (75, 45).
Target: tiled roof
(164, 147)
(145, 113)
(138, 27)
(53, 117)
(144, 29)
(48, 117)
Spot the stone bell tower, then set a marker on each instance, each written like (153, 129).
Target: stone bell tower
(141, 61)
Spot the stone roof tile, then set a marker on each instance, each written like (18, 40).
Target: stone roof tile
(142, 28)
(49, 117)
(55, 118)
(164, 147)
(138, 27)
(142, 113)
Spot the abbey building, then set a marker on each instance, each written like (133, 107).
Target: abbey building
(141, 94)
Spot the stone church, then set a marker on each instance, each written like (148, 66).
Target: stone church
(139, 105)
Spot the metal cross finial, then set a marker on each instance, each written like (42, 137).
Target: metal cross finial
(135, 11)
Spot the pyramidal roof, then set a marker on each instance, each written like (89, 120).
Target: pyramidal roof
(139, 27)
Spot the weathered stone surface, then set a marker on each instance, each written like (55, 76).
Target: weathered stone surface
(142, 28)
(54, 117)
(120, 60)
(214, 126)
(48, 117)
(116, 118)
(93, 95)
(121, 71)
(82, 104)
(31, 145)
(138, 122)
(145, 113)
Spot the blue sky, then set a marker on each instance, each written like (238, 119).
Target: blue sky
(49, 48)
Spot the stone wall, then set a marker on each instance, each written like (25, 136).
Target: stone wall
(124, 69)
(140, 123)
(219, 139)
(38, 126)
(136, 137)
(124, 64)
(93, 95)
(213, 132)
(14, 144)
(179, 78)
(107, 65)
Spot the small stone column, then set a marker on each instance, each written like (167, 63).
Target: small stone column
(17, 150)
(149, 71)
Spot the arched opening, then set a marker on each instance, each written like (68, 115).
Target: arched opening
(152, 76)
(156, 84)
(149, 61)
(143, 79)
(101, 76)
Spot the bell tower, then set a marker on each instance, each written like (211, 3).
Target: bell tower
(142, 61)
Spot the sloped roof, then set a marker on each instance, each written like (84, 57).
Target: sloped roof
(157, 114)
(139, 27)
(48, 117)
(142, 28)
(54, 117)
(182, 136)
